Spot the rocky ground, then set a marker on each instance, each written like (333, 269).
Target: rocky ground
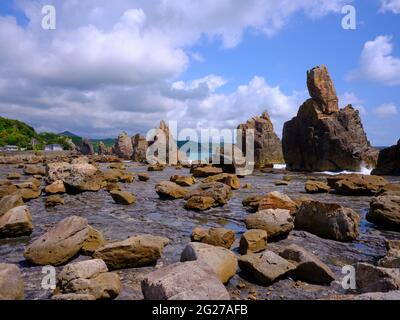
(155, 215)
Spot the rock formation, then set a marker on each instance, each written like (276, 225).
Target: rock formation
(323, 137)
(139, 144)
(123, 146)
(87, 147)
(103, 150)
(389, 161)
(267, 145)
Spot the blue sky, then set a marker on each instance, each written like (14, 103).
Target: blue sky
(217, 67)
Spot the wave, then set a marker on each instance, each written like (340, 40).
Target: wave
(364, 170)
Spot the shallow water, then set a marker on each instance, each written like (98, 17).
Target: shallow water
(168, 218)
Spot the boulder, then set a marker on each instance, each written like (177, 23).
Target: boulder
(316, 187)
(253, 241)
(6, 190)
(328, 220)
(11, 282)
(308, 267)
(184, 181)
(139, 145)
(191, 280)
(276, 222)
(16, 222)
(392, 258)
(54, 200)
(55, 187)
(123, 197)
(170, 190)
(136, 251)
(199, 203)
(277, 200)
(94, 241)
(123, 146)
(9, 202)
(214, 236)
(356, 184)
(253, 202)
(267, 145)
(281, 183)
(221, 260)
(34, 170)
(230, 180)
(156, 167)
(28, 194)
(207, 171)
(388, 161)
(323, 138)
(390, 188)
(103, 150)
(13, 176)
(72, 297)
(113, 186)
(86, 147)
(384, 211)
(266, 267)
(370, 278)
(60, 243)
(220, 192)
(143, 176)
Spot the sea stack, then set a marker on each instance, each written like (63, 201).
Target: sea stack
(323, 137)
(87, 147)
(388, 161)
(123, 146)
(267, 145)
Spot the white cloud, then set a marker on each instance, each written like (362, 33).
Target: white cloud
(390, 5)
(377, 62)
(386, 110)
(351, 98)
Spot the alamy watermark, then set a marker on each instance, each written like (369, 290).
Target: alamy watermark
(49, 20)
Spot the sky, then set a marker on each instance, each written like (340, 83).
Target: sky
(123, 65)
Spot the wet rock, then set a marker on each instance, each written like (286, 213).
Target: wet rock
(192, 280)
(214, 236)
(123, 197)
(136, 251)
(55, 187)
(34, 170)
(118, 166)
(13, 176)
(94, 241)
(11, 282)
(276, 222)
(316, 187)
(139, 144)
(156, 167)
(328, 220)
(86, 147)
(220, 192)
(390, 188)
(143, 176)
(54, 200)
(253, 241)
(60, 243)
(113, 175)
(221, 260)
(28, 194)
(253, 202)
(370, 278)
(323, 138)
(266, 267)
(384, 211)
(267, 145)
(203, 172)
(9, 202)
(73, 297)
(388, 161)
(281, 183)
(127, 177)
(184, 181)
(170, 190)
(199, 203)
(7, 190)
(277, 200)
(308, 267)
(230, 180)
(16, 222)
(356, 184)
(392, 259)
(113, 186)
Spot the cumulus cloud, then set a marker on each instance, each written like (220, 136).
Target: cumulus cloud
(116, 65)
(351, 98)
(386, 110)
(390, 5)
(377, 62)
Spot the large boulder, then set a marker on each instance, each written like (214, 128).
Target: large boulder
(323, 138)
(200, 203)
(230, 180)
(191, 280)
(9, 202)
(220, 192)
(136, 251)
(276, 222)
(55, 187)
(356, 184)
(221, 260)
(87, 147)
(277, 200)
(253, 241)
(308, 267)
(33, 170)
(170, 190)
(328, 220)
(388, 161)
(123, 146)
(392, 258)
(370, 278)
(266, 267)
(11, 282)
(139, 145)
(123, 197)
(384, 211)
(214, 236)
(16, 222)
(267, 145)
(207, 171)
(184, 181)
(316, 187)
(60, 243)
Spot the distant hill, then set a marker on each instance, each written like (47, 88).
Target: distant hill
(68, 134)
